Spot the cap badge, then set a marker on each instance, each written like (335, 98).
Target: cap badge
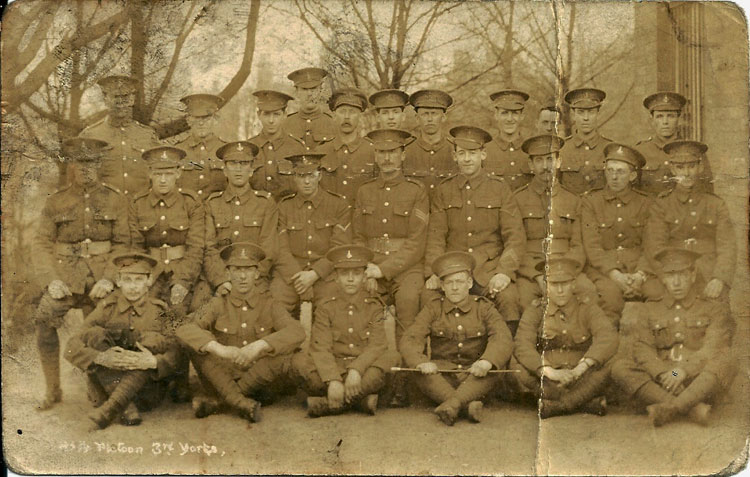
(619, 149)
(243, 253)
(164, 155)
(348, 254)
(240, 148)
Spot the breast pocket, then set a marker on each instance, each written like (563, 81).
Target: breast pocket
(296, 233)
(225, 327)
(534, 221)
(262, 328)
(661, 333)
(696, 330)
(442, 331)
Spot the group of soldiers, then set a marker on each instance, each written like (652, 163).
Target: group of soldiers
(314, 257)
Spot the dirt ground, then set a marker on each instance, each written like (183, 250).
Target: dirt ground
(511, 440)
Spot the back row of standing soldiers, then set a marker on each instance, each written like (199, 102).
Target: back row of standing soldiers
(519, 210)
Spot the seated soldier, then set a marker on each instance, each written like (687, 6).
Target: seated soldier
(460, 332)
(124, 346)
(563, 345)
(348, 355)
(234, 331)
(680, 360)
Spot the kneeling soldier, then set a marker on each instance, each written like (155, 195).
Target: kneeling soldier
(124, 346)
(348, 355)
(563, 346)
(236, 330)
(680, 358)
(460, 332)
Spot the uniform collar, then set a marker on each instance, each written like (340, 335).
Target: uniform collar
(80, 190)
(591, 140)
(230, 193)
(314, 114)
(123, 304)
(515, 141)
(625, 196)
(194, 142)
(683, 194)
(660, 143)
(539, 187)
(686, 302)
(431, 147)
(119, 123)
(316, 198)
(474, 181)
(355, 300)
(168, 199)
(463, 305)
(265, 138)
(240, 299)
(338, 144)
(568, 310)
(382, 183)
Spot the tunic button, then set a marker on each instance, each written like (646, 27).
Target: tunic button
(587, 178)
(678, 335)
(694, 227)
(469, 234)
(262, 329)
(460, 345)
(351, 345)
(387, 188)
(344, 182)
(565, 332)
(385, 221)
(512, 163)
(244, 308)
(164, 232)
(309, 252)
(459, 327)
(471, 249)
(244, 342)
(479, 333)
(125, 192)
(677, 306)
(236, 217)
(309, 237)
(125, 174)
(587, 148)
(619, 219)
(236, 202)
(122, 143)
(236, 232)
(692, 213)
(456, 315)
(87, 209)
(270, 148)
(86, 226)
(162, 204)
(225, 330)
(385, 204)
(350, 330)
(309, 207)
(468, 219)
(86, 195)
(166, 262)
(468, 202)
(690, 201)
(676, 319)
(432, 152)
(163, 217)
(586, 162)
(619, 205)
(351, 312)
(244, 325)
(200, 192)
(460, 366)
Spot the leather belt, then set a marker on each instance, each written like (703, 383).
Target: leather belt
(385, 244)
(166, 253)
(554, 245)
(85, 249)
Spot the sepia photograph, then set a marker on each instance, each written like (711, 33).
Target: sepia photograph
(375, 237)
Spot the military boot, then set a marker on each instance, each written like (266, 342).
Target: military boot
(130, 384)
(475, 411)
(700, 413)
(652, 393)
(698, 390)
(550, 408)
(368, 404)
(131, 416)
(205, 406)
(95, 392)
(448, 411)
(49, 355)
(586, 389)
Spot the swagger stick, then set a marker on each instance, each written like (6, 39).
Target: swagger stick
(415, 370)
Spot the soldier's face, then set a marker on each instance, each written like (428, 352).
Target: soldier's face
(243, 278)
(389, 162)
(347, 118)
(307, 184)
(85, 173)
(679, 283)
(390, 118)
(430, 119)
(560, 293)
(508, 120)
(201, 126)
(585, 119)
(351, 280)
(164, 181)
(686, 173)
(308, 97)
(238, 172)
(619, 174)
(133, 285)
(544, 166)
(469, 160)
(271, 120)
(665, 123)
(120, 105)
(456, 286)
(548, 121)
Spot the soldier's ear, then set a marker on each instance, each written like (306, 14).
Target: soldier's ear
(633, 175)
(151, 279)
(483, 154)
(471, 282)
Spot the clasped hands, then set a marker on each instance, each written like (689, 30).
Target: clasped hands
(127, 360)
(242, 357)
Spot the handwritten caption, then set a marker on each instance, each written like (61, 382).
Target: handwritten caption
(156, 448)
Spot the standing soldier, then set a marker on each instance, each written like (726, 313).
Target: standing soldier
(460, 332)
(273, 173)
(125, 346)
(349, 157)
(681, 359)
(389, 107)
(202, 172)
(475, 212)
(238, 214)
(81, 226)
(548, 121)
(310, 124)
(234, 332)
(687, 217)
(504, 155)
(582, 166)
(664, 110)
(564, 345)
(311, 222)
(127, 139)
(429, 159)
(613, 221)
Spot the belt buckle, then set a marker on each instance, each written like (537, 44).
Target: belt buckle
(672, 354)
(84, 249)
(690, 243)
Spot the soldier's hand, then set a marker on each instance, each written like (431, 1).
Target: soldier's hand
(371, 286)
(146, 359)
(428, 368)
(223, 289)
(179, 293)
(304, 280)
(101, 289)
(335, 394)
(498, 283)
(432, 283)
(566, 376)
(250, 353)
(373, 271)
(671, 380)
(713, 288)
(621, 280)
(58, 290)
(480, 368)
(352, 385)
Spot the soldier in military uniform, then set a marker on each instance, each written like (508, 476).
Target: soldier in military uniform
(348, 355)
(613, 221)
(548, 120)
(551, 219)
(389, 105)
(564, 345)
(475, 212)
(681, 359)
(273, 172)
(202, 172)
(582, 165)
(125, 346)
(429, 159)
(311, 222)
(665, 109)
(688, 217)
(127, 139)
(238, 214)
(234, 332)
(459, 331)
(80, 227)
(310, 124)
(504, 155)
(348, 160)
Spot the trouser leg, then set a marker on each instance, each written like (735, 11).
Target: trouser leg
(201, 294)
(506, 302)
(264, 373)
(221, 379)
(589, 386)
(475, 389)
(284, 292)
(125, 391)
(436, 387)
(48, 316)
